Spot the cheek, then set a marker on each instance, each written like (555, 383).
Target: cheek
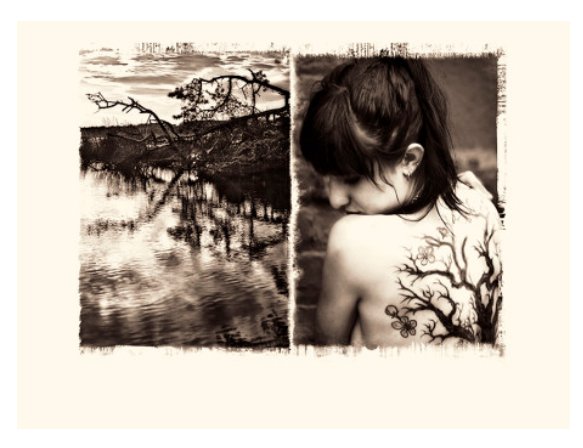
(376, 201)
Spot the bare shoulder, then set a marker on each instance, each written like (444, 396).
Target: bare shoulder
(361, 231)
(344, 241)
(361, 245)
(477, 203)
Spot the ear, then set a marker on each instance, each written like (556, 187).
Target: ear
(411, 159)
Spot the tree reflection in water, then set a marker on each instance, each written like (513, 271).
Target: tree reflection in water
(174, 259)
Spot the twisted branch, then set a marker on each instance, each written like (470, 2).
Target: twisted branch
(195, 95)
(486, 300)
(416, 303)
(127, 106)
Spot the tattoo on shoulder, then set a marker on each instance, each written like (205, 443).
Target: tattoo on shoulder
(456, 283)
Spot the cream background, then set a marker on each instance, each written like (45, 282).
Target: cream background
(529, 387)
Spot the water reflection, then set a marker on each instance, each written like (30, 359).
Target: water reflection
(175, 259)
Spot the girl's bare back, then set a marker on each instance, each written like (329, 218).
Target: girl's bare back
(432, 281)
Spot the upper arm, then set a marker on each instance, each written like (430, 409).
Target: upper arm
(337, 307)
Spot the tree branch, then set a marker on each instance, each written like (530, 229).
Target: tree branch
(238, 120)
(168, 129)
(416, 303)
(197, 95)
(255, 79)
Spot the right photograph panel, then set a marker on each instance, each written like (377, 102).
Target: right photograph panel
(400, 215)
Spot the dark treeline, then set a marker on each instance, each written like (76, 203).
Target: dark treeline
(263, 146)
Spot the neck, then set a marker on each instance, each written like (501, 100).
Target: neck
(416, 214)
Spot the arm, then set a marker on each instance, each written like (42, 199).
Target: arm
(337, 307)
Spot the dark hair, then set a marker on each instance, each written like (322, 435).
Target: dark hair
(367, 112)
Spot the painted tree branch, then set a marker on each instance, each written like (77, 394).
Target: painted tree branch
(429, 331)
(486, 299)
(488, 312)
(427, 301)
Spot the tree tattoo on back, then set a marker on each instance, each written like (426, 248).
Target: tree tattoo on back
(462, 299)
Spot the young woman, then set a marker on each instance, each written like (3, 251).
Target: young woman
(415, 259)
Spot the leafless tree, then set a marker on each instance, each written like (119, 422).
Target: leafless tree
(210, 106)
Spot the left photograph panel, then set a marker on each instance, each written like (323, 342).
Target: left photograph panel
(185, 196)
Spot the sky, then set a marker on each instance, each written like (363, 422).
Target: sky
(149, 75)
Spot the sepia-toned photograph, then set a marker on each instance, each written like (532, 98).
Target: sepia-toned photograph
(185, 196)
(292, 224)
(399, 222)
(186, 187)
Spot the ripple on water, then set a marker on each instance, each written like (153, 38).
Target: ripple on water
(151, 284)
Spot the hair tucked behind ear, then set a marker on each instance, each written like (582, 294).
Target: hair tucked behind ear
(368, 111)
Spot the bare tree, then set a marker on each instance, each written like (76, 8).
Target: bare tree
(131, 104)
(211, 107)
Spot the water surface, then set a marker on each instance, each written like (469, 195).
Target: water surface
(174, 259)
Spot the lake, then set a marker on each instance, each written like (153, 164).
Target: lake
(175, 259)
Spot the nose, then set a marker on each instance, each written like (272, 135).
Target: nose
(337, 193)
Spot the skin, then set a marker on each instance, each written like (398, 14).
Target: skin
(358, 278)
(393, 187)
(366, 249)
(344, 281)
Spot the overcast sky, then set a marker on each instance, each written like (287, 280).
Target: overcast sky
(148, 77)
